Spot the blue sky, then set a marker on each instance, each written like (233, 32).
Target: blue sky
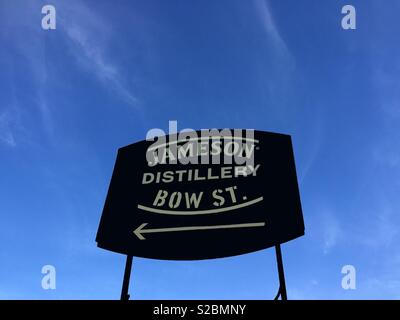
(112, 70)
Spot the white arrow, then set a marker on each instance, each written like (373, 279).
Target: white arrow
(140, 230)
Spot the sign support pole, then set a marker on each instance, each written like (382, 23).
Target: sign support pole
(127, 275)
(282, 285)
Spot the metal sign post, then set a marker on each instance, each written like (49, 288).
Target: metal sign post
(127, 275)
(282, 285)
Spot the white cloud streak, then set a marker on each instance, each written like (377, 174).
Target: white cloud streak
(6, 134)
(89, 34)
(332, 232)
(379, 228)
(267, 20)
(25, 43)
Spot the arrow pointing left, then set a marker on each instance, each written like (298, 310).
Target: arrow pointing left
(140, 230)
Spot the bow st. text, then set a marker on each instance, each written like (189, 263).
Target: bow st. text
(175, 201)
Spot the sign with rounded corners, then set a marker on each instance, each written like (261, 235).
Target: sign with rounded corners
(202, 196)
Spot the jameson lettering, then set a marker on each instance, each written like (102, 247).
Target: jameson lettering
(211, 147)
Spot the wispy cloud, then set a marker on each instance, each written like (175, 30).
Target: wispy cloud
(331, 231)
(387, 154)
(388, 89)
(380, 288)
(267, 20)
(382, 226)
(325, 228)
(314, 139)
(279, 65)
(89, 34)
(6, 134)
(25, 44)
(380, 230)
(386, 149)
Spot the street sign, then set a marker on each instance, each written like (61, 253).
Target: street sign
(173, 199)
